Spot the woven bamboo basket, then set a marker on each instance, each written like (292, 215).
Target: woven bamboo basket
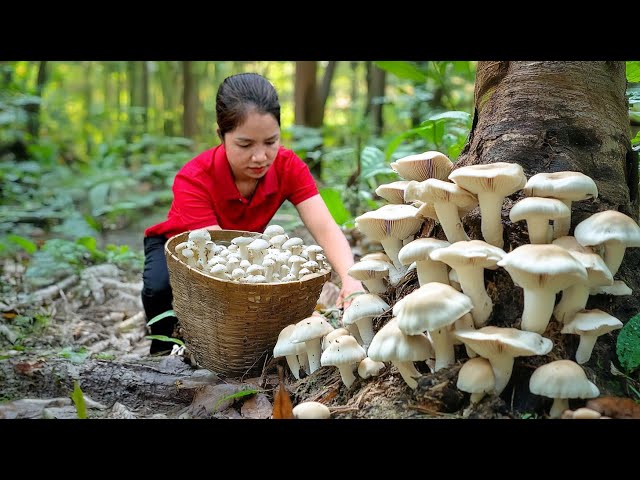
(231, 328)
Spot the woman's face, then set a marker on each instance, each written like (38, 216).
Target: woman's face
(253, 146)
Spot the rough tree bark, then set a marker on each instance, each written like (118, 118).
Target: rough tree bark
(550, 117)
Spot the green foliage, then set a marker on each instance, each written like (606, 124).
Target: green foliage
(75, 354)
(445, 132)
(157, 318)
(332, 198)
(404, 70)
(633, 71)
(234, 396)
(78, 400)
(628, 345)
(164, 338)
(56, 259)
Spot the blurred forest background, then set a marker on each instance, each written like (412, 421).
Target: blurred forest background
(88, 150)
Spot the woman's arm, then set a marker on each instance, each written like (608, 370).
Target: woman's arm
(316, 217)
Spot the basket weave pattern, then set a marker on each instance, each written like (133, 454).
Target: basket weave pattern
(232, 327)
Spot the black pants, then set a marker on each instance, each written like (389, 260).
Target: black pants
(157, 297)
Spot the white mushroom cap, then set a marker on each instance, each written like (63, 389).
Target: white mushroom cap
(418, 251)
(391, 345)
(566, 186)
(433, 307)
(476, 377)
(541, 271)
(501, 345)
(369, 368)
(371, 273)
(613, 229)
(561, 380)
(469, 259)
(448, 199)
(393, 192)
(537, 211)
(590, 324)
(389, 225)
(363, 309)
(311, 410)
(273, 230)
(284, 348)
(491, 183)
(422, 166)
(310, 330)
(345, 353)
(332, 335)
(570, 243)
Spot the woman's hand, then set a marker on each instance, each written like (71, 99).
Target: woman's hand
(349, 286)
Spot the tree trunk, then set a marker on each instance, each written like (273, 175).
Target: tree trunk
(550, 117)
(190, 101)
(33, 109)
(376, 82)
(144, 94)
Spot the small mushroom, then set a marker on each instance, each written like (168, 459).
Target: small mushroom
(476, 377)
(311, 411)
(561, 380)
(590, 324)
(345, 353)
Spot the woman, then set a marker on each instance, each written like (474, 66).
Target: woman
(239, 185)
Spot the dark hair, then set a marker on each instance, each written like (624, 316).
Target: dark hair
(240, 94)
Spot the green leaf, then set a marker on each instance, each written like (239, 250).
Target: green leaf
(451, 115)
(26, 244)
(157, 318)
(78, 400)
(164, 338)
(633, 71)
(404, 70)
(233, 396)
(628, 344)
(334, 203)
(636, 139)
(75, 356)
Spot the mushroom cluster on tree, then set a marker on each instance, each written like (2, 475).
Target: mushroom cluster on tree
(452, 305)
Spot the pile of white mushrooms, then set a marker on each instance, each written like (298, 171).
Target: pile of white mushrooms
(451, 305)
(271, 257)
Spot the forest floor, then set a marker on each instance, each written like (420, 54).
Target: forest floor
(90, 330)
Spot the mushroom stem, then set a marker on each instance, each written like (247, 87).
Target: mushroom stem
(573, 300)
(392, 247)
(408, 371)
(476, 397)
(472, 283)
(375, 285)
(294, 365)
(539, 230)
(538, 307)
(431, 271)
(449, 219)
(559, 405)
(303, 360)
(365, 327)
(314, 351)
(346, 373)
(443, 348)
(562, 225)
(585, 347)
(502, 366)
(613, 255)
(491, 218)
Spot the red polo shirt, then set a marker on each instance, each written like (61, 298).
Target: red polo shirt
(204, 193)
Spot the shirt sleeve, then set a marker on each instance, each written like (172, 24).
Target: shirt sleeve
(300, 181)
(192, 204)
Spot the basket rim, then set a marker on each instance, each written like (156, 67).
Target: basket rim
(311, 276)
